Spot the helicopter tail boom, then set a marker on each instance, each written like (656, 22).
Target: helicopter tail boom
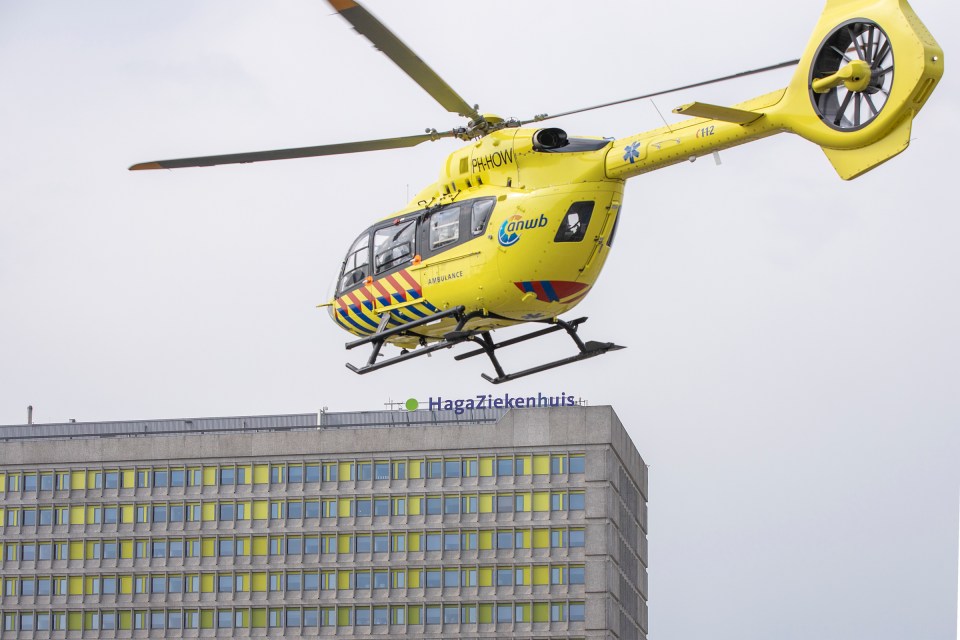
(868, 69)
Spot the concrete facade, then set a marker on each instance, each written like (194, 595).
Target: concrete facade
(527, 523)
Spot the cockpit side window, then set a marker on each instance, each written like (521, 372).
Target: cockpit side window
(480, 215)
(394, 245)
(574, 225)
(356, 266)
(445, 228)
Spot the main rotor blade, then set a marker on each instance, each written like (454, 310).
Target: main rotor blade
(383, 39)
(541, 118)
(300, 152)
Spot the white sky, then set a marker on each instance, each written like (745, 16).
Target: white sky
(792, 371)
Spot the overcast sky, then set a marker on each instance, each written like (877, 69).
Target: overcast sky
(792, 371)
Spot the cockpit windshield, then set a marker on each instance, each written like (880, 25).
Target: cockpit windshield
(356, 265)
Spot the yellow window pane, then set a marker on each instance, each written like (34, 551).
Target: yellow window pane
(206, 582)
(77, 515)
(258, 618)
(75, 620)
(541, 538)
(486, 503)
(75, 585)
(541, 574)
(344, 507)
(526, 575)
(126, 513)
(126, 549)
(3, 482)
(413, 541)
(261, 509)
(541, 465)
(415, 469)
(129, 478)
(527, 464)
(209, 510)
(525, 544)
(245, 472)
(343, 579)
(78, 479)
(345, 471)
(413, 578)
(415, 505)
(485, 613)
(243, 510)
(91, 547)
(76, 549)
(125, 617)
(343, 616)
(541, 499)
(209, 476)
(485, 576)
(126, 584)
(344, 543)
(526, 501)
(486, 467)
(206, 618)
(208, 547)
(258, 581)
(541, 612)
(485, 539)
(243, 582)
(259, 545)
(261, 474)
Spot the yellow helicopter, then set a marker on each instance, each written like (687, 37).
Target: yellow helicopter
(519, 224)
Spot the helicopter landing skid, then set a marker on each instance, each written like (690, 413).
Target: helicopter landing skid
(587, 349)
(487, 345)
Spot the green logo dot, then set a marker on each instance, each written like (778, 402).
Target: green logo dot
(412, 404)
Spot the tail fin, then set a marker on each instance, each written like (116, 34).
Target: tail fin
(867, 71)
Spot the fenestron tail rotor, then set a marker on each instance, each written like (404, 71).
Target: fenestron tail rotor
(851, 75)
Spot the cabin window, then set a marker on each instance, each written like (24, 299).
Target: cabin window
(480, 215)
(355, 267)
(573, 228)
(393, 245)
(445, 228)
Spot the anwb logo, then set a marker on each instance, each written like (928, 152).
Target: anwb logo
(509, 233)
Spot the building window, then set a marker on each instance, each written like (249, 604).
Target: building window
(433, 505)
(434, 468)
(577, 575)
(295, 510)
(160, 478)
(329, 471)
(577, 537)
(505, 503)
(381, 471)
(228, 476)
(504, 466)
(451, 541)
(312, 473)
(311, 509)
(504, 613)
(432, 541)
(451, 614)
(46, 482)
(399, 470)
(311, 545)
(178, 477)
(227, 511)
(143, 479)
(577, 501)
(294, 546)
(363, 507)
(295, 474)
(381, 506)
(364, 471)
(433, 579)
(276, 474)
(577, 464)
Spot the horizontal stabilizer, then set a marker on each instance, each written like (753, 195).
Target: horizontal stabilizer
(716, 112)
